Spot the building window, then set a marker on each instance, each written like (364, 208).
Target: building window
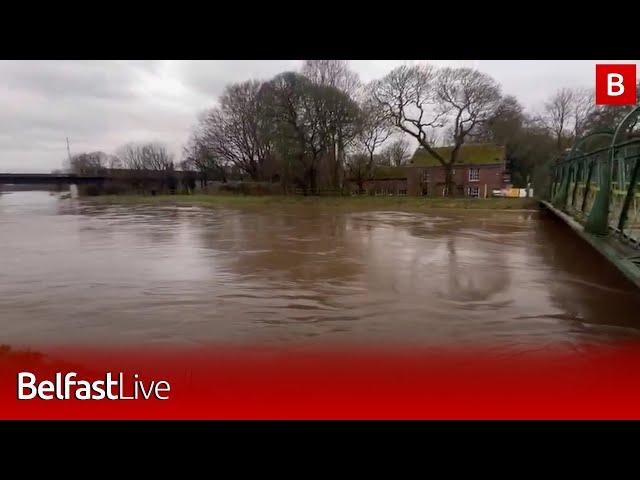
(474, 174)
(425, 177)
(474, 192)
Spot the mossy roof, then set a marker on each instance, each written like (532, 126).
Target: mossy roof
(470, 154)
(381, 172)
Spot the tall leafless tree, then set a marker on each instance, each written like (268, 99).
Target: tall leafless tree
(146, 156)
(236, 131)
(337, 75)
(557, 116)
(359, 169)
(375, 130)
(420, 99)
(293, 103)
(397, 153)
(332, 73)
(197, 156)
(90, 163)
(467, 99)
(583, 105)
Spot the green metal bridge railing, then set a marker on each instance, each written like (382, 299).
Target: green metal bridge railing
(597, 183)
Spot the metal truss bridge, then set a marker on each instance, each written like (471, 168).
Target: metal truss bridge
(595, 190)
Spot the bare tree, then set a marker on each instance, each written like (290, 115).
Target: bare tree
(146, 156)
(608, 116)
(236, 131)
(293, 103)
(113, 162)
(397, 153)
(505, 124)
(131, 156)
(375, 130)
(305, 117)
(332, 73)
(557, 115)
(337, 75)
(151, 166)
(419, 99)
(359, 168)
(197, 156)
(157, 157)
(89, 163)
(467, 98)
(583, 106)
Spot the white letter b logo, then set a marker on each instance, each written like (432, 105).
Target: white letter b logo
(615, 80)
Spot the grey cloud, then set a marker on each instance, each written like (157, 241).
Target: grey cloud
(210, 77)
(101, 105)
(92, 79)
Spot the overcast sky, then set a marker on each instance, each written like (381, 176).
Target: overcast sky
(101, 105)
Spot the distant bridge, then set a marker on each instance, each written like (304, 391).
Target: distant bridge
(595, 191)
(49, 179)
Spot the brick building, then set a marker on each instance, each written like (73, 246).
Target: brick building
(480, 169)
(387, 181)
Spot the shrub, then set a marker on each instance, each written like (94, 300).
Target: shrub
(89, 190)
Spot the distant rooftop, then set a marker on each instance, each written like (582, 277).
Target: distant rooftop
(470, 154)
(383, 172)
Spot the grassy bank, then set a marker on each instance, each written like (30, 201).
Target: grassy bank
(350, 203)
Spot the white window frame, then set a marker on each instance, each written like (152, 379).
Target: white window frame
(477, 175)
(477, 191)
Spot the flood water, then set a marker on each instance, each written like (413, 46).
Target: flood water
(72, 272)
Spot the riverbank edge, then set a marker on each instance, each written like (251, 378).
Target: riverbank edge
(351, 203)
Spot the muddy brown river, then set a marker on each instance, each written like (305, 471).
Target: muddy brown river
(76, 273)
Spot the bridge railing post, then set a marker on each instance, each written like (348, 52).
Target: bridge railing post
(631, 191)
(598, 219)
(562, 187)
(587, 185)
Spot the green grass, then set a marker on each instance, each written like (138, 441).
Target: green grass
(348, 203)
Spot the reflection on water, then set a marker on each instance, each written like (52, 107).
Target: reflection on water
(78, 273)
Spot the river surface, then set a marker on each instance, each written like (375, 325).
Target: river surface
(76, 273)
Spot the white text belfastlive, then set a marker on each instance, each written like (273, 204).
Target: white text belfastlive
(111, 387)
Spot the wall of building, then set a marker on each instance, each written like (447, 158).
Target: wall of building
(390, 186)
(490, 177)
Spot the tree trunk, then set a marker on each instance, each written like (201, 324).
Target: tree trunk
(448, 170)
(448, 180)
(334, 162)
(339, 161)
(312, 180)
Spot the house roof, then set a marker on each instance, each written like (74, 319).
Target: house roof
(470, 154)
(382, 172)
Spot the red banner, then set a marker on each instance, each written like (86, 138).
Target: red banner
(262, 383)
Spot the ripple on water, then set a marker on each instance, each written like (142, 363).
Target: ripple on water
(75, 272)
